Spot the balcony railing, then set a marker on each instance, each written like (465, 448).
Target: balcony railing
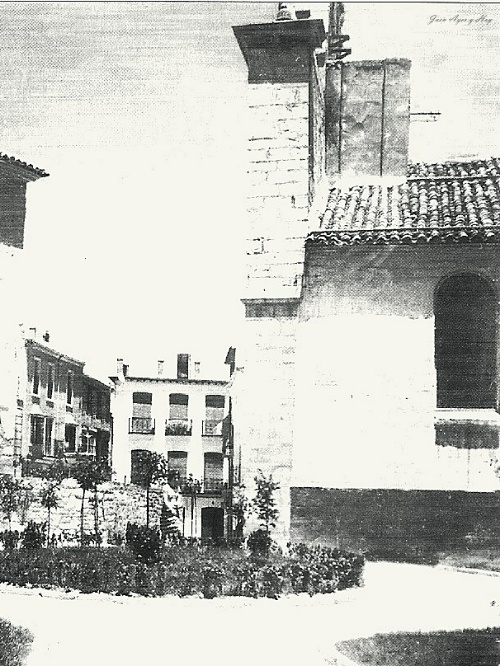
(139, 425)
(190, 486)
(211, 428)
(178, 427)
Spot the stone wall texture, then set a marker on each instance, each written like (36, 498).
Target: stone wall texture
(278, 187)
(118, 504)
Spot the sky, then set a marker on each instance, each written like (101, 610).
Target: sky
(134, 245)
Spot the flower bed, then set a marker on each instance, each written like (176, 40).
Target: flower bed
(185, 569)
(15, 644)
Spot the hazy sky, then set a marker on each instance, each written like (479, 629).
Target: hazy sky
(134, 244)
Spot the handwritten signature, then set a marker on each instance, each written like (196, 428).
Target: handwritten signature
(461, 20)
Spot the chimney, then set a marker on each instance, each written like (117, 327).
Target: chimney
(286, 141)
(160, 367)
(183, 362)
(367, 118)
(196, 371)
(46, 336)
(33, 333)
(119, 366)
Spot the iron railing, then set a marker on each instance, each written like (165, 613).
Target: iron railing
(178, 427)
(139, 425)
(190, 486)
(211, 428)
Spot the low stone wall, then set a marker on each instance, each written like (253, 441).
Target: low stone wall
(118, 504)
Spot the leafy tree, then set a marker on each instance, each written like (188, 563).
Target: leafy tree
(89, 474)
(10, 491)
(154, 468)
(264, 504)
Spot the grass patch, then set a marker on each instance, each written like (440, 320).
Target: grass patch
(183, 570)
(15, 644)
(456, 648)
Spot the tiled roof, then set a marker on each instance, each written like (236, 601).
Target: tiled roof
(34, 171)
(455, 202)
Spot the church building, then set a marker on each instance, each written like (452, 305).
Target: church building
(367, 381)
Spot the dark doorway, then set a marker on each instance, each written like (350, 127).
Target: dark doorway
(212, 523)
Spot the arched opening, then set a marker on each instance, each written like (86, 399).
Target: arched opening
(465, 342)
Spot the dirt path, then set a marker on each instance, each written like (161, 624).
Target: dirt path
(103, 630)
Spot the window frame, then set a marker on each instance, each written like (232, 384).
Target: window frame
(37, 375)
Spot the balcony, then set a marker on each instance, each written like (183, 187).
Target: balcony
(190, 486)
(178, 427)
(139, 425)
(211, 428)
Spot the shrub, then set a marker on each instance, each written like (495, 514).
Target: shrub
(185, 568)
(15, 642)
(259, 542)
(34, 536)
(144, 542)
(9, 539)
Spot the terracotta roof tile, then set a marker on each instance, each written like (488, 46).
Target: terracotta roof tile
(34, 171)
(450, 202)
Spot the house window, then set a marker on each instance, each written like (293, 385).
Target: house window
(37, 436)
(179, 406)
(87, 443)
(465, 343)
(50, 381)
(49, 426)
(177, 464)
(182, 366)
(36, 375)
(214, 414)
(70, 438)
(141, 413)
(213, 466)
(69, 388)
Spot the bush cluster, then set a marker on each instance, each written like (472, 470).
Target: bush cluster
(144, 542)
(15, 644)
(184, 568)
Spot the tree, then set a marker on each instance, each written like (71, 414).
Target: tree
(264, 504)
(153, 468)
(48, 496)
(89, 474)
(10, 491)
(50, 500)
(241, 506)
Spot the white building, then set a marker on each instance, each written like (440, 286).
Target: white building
(180, 414)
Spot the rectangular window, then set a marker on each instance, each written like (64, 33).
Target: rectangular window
(142, 403)
(49, 426)
(70, 438)
(177, 464)
(36, 375)
(50, 381)
(69, 388)
(182, 366)
(37, 436)
(214, 414)
(87, 443)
